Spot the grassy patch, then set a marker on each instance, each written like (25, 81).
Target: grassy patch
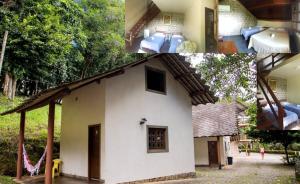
(36, 121)
(284, 180)
(6, 180)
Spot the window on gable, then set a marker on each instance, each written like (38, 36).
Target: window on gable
(157, 139)
(155, 80)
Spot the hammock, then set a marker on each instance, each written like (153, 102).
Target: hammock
(27, 163)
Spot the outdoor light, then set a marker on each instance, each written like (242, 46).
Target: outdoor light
(143, 121)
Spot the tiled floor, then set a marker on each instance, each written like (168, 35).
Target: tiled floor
(240, 43)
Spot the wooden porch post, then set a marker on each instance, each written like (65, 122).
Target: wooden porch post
(20, 148)
(48, 174)
(219, 152)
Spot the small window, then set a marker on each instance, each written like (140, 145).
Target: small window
(155, 80)
(157, 139)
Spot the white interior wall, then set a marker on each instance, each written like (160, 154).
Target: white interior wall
(134, 10)
(127, 102)
(293, 88)
(194, 22)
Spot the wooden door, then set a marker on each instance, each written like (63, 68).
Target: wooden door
(213, 152)
(94, 152)
(210, 41)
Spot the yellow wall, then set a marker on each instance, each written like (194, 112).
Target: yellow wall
(293, 88)
(134, 10)
(284, 24)
(194, 23)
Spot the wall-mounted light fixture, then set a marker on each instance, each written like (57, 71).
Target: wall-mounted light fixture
(143, 121)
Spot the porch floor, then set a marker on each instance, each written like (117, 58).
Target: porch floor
(68, 180)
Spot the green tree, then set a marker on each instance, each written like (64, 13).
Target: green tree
(41, 34)
(103, 23)
(284, 137)
(229, 76)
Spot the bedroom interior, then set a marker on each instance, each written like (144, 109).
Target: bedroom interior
(171, 26)
(260, 26)
(278, 97)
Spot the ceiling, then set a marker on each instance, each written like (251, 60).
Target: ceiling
(269, 9)
(291, 68)
(174, 6)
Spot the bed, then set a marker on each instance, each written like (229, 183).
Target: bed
(249, 31)
(271, 40)
(176, 40)
(289, 119)
(293, 108)
(153, 42)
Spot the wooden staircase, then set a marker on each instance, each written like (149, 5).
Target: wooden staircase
(265, 95)
(152, 11)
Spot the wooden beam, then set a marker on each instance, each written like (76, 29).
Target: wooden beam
(20, 148)
(48, 174)
(219, 152)
(196, 93)
(182, 75)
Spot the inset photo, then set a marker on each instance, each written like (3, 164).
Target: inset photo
(171, 26)
(278, 96)
(263, 27)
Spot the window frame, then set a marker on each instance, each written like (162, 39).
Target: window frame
(147, 68)
(166, 140)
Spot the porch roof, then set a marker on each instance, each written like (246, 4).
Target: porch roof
(176, 64)
(213, 120)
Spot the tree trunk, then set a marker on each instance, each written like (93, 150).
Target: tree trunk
(9, 87)
(88, 61)
(3, 49)
(286, 153)
(13, 88)
(6, 84)
(10, 83)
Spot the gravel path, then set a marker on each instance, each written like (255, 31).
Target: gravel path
(246, 170)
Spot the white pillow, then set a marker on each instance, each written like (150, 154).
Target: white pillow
(159, 34)
(177, 36)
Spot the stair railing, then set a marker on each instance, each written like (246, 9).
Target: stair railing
(152, 11)
(279, 117)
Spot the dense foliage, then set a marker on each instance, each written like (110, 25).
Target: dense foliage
(229, 76)
(285, 138)
(51, 42)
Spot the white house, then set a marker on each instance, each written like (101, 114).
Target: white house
(215, 133)
(133, 123)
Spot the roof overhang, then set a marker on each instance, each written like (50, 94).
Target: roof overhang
(176, 64)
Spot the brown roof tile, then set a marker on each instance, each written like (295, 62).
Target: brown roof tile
(218, 119)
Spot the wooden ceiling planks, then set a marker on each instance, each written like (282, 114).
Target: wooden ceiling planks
(269, 9)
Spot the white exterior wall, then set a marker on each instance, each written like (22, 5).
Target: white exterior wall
(119, 103)
(77, 115)
(201, 150)
(127, 102)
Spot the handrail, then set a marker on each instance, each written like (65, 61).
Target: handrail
(281, 110)
(268, 100)
(274, 60)
(151, 12)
